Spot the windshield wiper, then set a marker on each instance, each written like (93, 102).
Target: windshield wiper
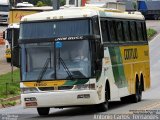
(43, 71)
(66, 68)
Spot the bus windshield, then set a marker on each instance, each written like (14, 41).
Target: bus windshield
(46, 61)
(4, 8)
(53, 29)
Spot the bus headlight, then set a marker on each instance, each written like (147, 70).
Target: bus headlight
(84, 86)
(29, 90)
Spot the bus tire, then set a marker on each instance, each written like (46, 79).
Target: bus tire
(43, 111)
(8, 60)
(125, 99)
(138, 95)
(102, 107)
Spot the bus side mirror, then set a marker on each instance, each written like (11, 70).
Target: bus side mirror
(4, 35)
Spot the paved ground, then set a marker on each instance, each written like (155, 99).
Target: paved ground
(2, 53)
(4, 66)
(155, 24)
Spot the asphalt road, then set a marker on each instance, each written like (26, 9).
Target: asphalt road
(4, 66)
(150, 102)
(2, 27)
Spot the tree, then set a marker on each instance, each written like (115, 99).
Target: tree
(37, 2)
(62, 2)
(40, 3)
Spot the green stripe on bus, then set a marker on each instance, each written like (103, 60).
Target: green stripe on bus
(117, 66)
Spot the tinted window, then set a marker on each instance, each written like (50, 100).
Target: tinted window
(112, 31)
(104, 28)
(54, 29)
(144, 31)
(119, 31)
(139, 31)
(96, 26)
(126, 31)
(133, 31)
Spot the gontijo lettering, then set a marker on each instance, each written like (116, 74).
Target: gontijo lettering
(130, 53)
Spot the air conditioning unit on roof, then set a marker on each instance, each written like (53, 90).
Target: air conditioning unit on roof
(111, 5)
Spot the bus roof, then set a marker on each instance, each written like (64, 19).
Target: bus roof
(24, 4)
(81, 12)
(14, 25)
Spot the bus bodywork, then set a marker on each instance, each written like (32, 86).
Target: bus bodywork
(11, 39)
(115, 68)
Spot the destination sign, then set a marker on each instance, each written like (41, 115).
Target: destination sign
(70, 38)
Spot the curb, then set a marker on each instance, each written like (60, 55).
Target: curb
(11, 98)
(15, 98)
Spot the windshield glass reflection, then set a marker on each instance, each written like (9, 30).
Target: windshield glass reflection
(44, 61)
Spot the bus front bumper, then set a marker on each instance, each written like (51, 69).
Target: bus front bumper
(8, 53)
(60, 99)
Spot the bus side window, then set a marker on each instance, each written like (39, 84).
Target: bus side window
(139, 31)
(133, 31)
(104, 27)
(95, 26)
(16, 37)
(112, 31)
(9, 35)
(119, 32)
(97, 56)
(126, 31)
(144, 31)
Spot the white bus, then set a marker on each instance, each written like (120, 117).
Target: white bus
(24, 4)
(82, 56)
(12, 31)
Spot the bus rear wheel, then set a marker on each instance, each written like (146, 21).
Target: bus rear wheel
(43, 111)
(138, 95)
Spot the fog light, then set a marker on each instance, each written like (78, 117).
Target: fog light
(30, 99)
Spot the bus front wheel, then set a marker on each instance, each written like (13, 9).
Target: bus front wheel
(43, 111)
(8, 60)
(103, 106)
